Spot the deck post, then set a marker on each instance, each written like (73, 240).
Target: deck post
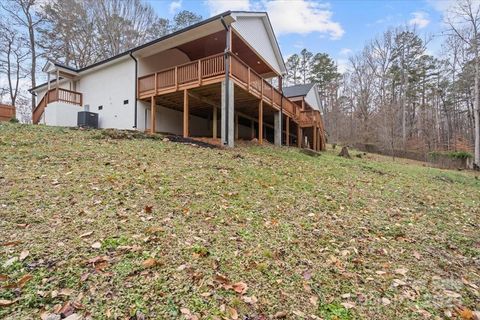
(277, 120)
(314, 143)
(236, 126)
(252, 127)
(299, 136)
(260, 121)
(214, 125)
(287, 128)
(227, 114)
(186, 114)
(153, 115)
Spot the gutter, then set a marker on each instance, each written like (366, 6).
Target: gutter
(136, 84)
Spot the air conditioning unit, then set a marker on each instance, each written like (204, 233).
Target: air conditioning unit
(86, 119)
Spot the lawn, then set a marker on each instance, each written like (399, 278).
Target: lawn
(140, 228)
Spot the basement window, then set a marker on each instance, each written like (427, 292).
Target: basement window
(125, 101)
(100, 107)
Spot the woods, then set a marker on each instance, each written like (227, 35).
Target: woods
(72, 32)
(396, 96)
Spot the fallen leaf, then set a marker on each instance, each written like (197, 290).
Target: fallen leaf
(23, 280)
(466, 314)
(154, 230)
(250, 300)
(280, 315)
(232, 313)
(240, 287)
(3, 277)
(401, 271)
(185, 311)
(96, 245)
(314, 300)
(23, 255)
(66, 292)
(149, 263)
(386, 301)
(6, 303)
(86, 234)
(417, 255)
(348, 305)
(10, 243)
(148, 209)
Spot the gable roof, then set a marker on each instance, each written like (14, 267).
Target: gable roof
(299, 90)
(222, 17)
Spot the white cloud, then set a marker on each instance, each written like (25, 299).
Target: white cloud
(345, 52)
(287, 17)
(302, 17)
(419, 19)
(175, 6)
(219, 6)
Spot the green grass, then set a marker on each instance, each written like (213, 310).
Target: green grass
(301, 232)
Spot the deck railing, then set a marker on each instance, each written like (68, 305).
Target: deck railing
(53, 95)
(213, 67)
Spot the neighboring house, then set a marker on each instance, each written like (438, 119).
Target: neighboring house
(308, 98)
(215, 74)
(7, 112)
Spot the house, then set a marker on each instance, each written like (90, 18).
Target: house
(7, 112)
(307, 97)
(220, 78)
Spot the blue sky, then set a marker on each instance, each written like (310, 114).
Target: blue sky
(338, 28)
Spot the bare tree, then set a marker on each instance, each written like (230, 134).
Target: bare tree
(13, 55)
(464, 22)
(25, 15)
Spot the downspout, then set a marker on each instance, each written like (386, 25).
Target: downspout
(136, 84)
(227, 81)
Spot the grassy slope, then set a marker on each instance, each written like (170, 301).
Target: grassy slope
(301, 232)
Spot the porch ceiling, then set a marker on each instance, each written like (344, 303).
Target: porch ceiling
(215, 43)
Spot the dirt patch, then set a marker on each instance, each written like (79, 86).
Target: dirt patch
(199, 142)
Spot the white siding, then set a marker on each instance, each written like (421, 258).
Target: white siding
(311, 99)
(252, 29)
(61, 114)
(109, 87)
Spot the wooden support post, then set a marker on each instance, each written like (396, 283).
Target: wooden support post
(214, 126)
(299, 136)
(252, 127)
(186, 114)
(153, 115)
(287, 132)
(260, 121)
(314, 144)
(236, 126)
(199, 72)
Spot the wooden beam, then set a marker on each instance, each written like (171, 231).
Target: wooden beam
(186, 114)
(260, 121)
(287, 128)
(299, 136)
(204, 99)
(252, 127)
(215, 120)
(314, 144)
(236, 126)
(153, 111)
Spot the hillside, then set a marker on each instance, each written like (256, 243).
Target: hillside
(142, 228)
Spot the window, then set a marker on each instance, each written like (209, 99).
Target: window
(100, 107)
(125, 101)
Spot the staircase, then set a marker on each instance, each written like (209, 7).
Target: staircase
(56, 94)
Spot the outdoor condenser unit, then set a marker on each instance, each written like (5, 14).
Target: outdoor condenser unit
(87, 119)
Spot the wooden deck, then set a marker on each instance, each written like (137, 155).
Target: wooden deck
(56, 94)
(211, 70)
